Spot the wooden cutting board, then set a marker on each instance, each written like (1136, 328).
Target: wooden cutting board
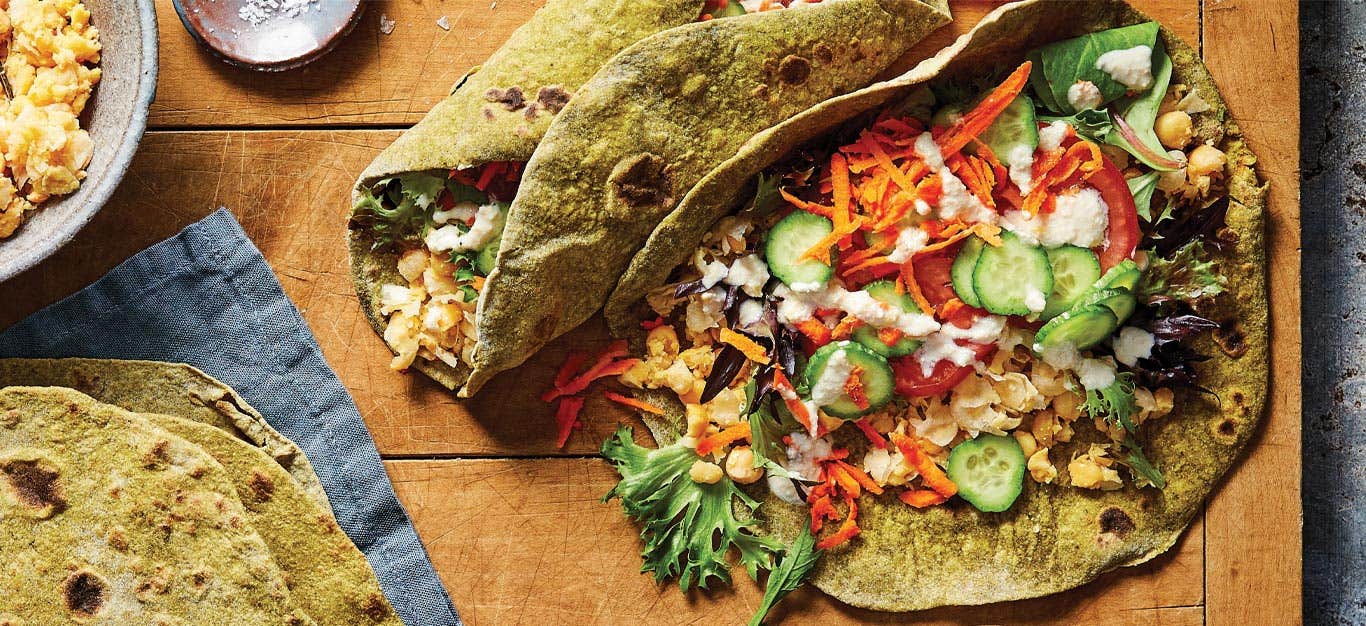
(513, 524)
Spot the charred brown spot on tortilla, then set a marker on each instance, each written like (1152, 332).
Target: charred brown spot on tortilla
(11, 418)
(1227, 427)
(760, 92)
(35, 484)
(488, 114)
(1147, 501)
(531, 111)
(329, 525)
(552, 98)
(117, 538)
(262, 487)
(200, 578)
(156, 455)
(545, 326)
(1116, 522)
(1228, 236)
(641, 181)
(83, 592)
(794, 70)
(374, 607)
(511, 98)
(155, 585)
(86, 382)
(1231, 340)
(824, 54)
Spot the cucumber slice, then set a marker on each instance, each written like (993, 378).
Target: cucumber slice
(989, 471)
(1015, 127)
(878, 383)
(788, 240)
(1125, 276)
(483, 262)
(1007, 276)
(1082, 327)
(946, 115)
(885, 291)
(961, 272)
(1075, 269)
(1119, 301)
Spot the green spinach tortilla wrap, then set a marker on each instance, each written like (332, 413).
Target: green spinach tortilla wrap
(108, 519)
(977, 333)
(281, 496)
(496, 261)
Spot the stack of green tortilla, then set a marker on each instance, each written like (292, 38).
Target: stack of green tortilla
(134, 492)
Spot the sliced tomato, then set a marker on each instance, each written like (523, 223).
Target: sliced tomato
(932, 274)
(912, 382)
(1122, 238)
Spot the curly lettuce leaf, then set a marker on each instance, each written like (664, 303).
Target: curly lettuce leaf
(398, 209)
(1116, 405)
(687, 527)
(1184, 277)
(791, 570)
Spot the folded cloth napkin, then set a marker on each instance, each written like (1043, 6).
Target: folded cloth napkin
(206, 297)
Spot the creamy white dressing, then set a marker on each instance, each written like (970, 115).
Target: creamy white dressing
(713, 273)
(955, 200)
(1131, 67)
(1079, 219)
(803, 453)
(487, 221)
(1133, 344)
(750, 274)
(943, 344)
(1083, 95)
(461, 212)
(1095, 374)
(1021, 163)
(829, 387)
(908, 242)
(1035, 300)
(796, 307)
(1051, 136)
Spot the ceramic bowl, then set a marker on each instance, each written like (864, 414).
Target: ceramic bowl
(115, 116)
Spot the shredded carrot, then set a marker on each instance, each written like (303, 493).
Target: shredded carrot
(980, 117)
(840, 189)
(567, 418)
(809, 207)
(861, 477)
(899, 177)
(952, 308)
(750, 348)
(874, 437)
(815, 331)
(820, 251)
(890, 335)
(711, 443)
(848, 530)
(1082, 157)
(921, 498)
(794, 404)
(844, 479)
(477, 283)
(990, 233)
(853, 387)
(634, 403)
(868, 264)
(913, 286)
(933, 477)
(845, 328)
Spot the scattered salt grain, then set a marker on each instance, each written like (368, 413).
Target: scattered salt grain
(256, 12)
(444, 23)
(386, 25)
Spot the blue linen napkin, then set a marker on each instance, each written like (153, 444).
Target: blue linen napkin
(206, 297)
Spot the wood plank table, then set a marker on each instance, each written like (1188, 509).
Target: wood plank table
(513, 524)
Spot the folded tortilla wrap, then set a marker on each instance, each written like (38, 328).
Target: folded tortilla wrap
(498, 112)
(108, 519)
(644, 130)
(1054, 537)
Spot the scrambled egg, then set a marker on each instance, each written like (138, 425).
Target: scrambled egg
(52, 53)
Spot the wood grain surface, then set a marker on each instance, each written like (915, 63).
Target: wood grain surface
(513, 524)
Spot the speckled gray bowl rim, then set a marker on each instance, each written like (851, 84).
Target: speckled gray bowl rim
(123, 157)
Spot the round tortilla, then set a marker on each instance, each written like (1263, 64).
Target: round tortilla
(106, 519)
(1055, 537)
(171, 389)
(645, 130)
(499, 111)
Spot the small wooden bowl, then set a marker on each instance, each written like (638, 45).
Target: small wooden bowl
(279, 43)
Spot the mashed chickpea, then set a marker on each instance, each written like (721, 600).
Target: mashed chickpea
(50, 63)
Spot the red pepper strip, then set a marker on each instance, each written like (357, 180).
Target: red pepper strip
(572, 364)
(921, 498)
(653, 324)
(979, 118)
(567, 418)
(874, 437)
(933, 477)
(603, 366)
(486, 176)
(634, 403)
(724, 438)
(815, 331)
